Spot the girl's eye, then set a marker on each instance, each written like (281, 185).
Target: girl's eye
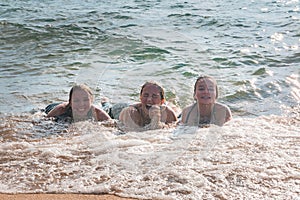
(155, 96)
(211, 89)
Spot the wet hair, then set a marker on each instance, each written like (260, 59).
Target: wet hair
(80, 87)
(162, 91)
(207, 77)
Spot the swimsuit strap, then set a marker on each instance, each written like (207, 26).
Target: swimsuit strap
(213, 117)
(90, 114)
(189, 113)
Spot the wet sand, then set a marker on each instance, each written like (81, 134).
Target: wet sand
(60, 197)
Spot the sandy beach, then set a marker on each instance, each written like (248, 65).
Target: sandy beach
(60, 197)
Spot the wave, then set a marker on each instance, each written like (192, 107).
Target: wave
(248, 157)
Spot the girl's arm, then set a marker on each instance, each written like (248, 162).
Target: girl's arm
(101, 115)
(58, 110)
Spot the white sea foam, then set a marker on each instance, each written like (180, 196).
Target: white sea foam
(247, 158)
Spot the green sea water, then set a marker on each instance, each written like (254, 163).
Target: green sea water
(250, 47)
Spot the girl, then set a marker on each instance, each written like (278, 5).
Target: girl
(151, 112)
(206, 110)
(79, 107)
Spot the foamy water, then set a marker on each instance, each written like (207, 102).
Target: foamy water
(250, 47)
(248, 158)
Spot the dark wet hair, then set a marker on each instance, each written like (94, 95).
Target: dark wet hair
(207, 77)
(162, 91)
(80, 87)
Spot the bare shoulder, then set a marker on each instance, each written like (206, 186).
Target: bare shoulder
(187, 109)
(223, 111)
(171, 115)
(130, 116)
(58, 110)
(220, 106)
(62, 105)
(130, 110)
(185, 112)
(101, 115)
(97, 109)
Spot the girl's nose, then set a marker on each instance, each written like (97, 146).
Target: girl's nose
(206, 90)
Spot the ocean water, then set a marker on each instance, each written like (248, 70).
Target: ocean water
(251, 48)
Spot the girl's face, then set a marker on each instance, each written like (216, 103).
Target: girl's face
(150, 96)
(205, 92)
(81, 103)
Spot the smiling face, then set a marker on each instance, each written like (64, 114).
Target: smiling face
(81, 102)
(205, 91)
(151, 95)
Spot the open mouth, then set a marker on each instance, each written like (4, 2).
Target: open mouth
(205, 97)
(148, 106)
(81, 109)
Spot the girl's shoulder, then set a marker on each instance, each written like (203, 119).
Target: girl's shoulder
(189, 107)
(219, 105)
(134, 109)
(137, 106)
(56, 109)
(100, 114)
(97, 109)
(62, 105)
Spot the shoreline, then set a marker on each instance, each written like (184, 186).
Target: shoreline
(48, 196)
